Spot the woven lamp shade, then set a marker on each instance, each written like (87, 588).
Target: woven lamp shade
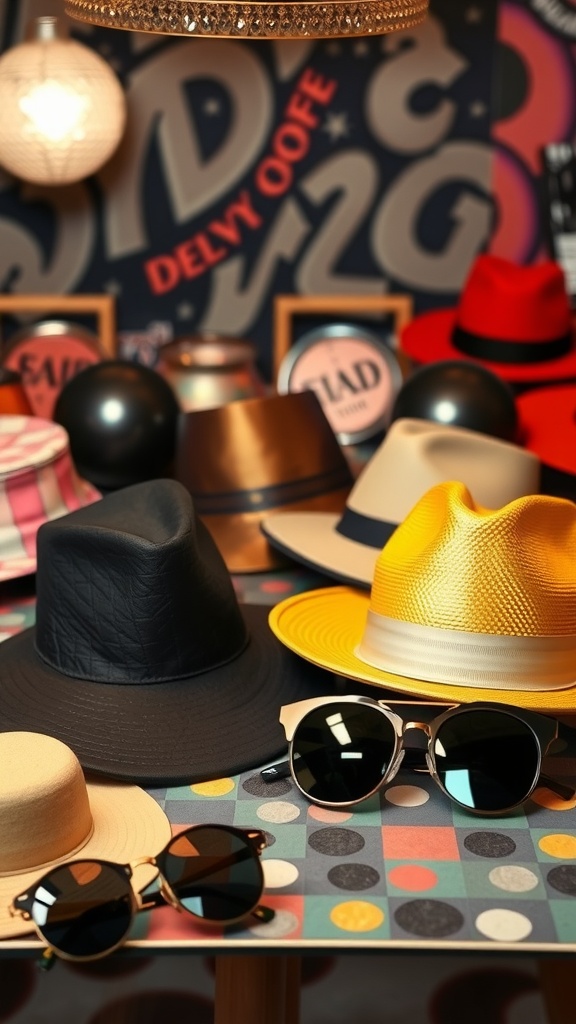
(63, 110)
(253, 19)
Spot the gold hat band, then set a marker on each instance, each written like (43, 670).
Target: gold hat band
(468, 659)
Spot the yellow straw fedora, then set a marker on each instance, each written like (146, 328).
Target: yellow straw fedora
(50, 814)
(467, 604)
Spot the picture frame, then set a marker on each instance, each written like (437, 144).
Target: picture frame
(46, 353)
(288, 307)
(100, 306)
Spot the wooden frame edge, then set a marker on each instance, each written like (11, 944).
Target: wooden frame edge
(101, 306)
(288, 306)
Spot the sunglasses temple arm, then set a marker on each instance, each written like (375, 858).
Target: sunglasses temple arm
(567, 734)
(150, 900)
(565, 792)
(263, 914)
(47, 960)
(276, 771)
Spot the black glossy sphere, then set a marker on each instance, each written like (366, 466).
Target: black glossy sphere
(121, 418)
(462, 394)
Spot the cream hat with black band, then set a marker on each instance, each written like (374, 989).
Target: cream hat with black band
(414, 456)
(467, 604)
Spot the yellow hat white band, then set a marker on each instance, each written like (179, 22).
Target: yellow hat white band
(468, 659)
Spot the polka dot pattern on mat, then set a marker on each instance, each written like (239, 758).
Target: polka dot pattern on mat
(413, 877)
(559, 845)
(513, 878)
(283, 923)
(431, 919)
(563, 879)
(406, 796)
(490, 844)
(503, 925)
(279, 873)
(255, 786)
(278, 811)
(327, 815)
(217, 787)
(357, 916)
(354, 877)
(336, 842)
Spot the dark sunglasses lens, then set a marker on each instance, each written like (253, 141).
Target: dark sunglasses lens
(487, 760)
(83, 909)
(214, 871)
(341, 751)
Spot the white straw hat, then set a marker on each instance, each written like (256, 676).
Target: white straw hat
(414, 456)
(50, 814)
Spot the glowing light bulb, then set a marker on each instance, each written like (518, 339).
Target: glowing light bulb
(55, 112)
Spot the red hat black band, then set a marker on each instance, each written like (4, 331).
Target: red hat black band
(502, 350)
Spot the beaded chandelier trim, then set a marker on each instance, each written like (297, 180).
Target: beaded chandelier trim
(253, 20)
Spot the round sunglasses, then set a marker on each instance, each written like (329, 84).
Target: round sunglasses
(485, 757)
(84, 909)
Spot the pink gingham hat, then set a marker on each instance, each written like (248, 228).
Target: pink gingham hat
(38, 482)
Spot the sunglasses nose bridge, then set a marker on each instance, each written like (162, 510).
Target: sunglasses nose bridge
(420, 726)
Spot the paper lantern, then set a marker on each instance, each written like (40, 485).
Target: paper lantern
(62, 108)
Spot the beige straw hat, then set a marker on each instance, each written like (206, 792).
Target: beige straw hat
(50, 814)
(414, 456)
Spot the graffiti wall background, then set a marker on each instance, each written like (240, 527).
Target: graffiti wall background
(249, 169)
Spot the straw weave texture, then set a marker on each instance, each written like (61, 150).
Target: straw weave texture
(456, 565)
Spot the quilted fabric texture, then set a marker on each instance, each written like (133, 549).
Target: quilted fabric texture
(135, 591)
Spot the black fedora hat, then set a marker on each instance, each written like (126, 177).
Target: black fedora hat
(141, 659)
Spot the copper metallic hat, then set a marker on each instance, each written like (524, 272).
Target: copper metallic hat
(243, 460)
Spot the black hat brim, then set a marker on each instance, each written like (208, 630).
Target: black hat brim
(211, 725)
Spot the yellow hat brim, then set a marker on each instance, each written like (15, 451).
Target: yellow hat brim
(325, 627)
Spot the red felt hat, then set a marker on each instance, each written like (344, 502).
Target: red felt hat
(514, 320)
(547, 424)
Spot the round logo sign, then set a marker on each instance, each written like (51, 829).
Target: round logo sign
(354, 374)
(47, 355)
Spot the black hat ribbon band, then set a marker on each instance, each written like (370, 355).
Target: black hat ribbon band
(365, 529)
(502, 350)
(261, 499)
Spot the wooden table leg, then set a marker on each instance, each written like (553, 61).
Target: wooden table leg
(257, 989)
(558, 986)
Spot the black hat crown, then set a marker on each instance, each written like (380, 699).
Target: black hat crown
(133, 589)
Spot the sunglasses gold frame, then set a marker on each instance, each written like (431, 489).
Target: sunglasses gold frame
(545, 730)
(22, 905)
